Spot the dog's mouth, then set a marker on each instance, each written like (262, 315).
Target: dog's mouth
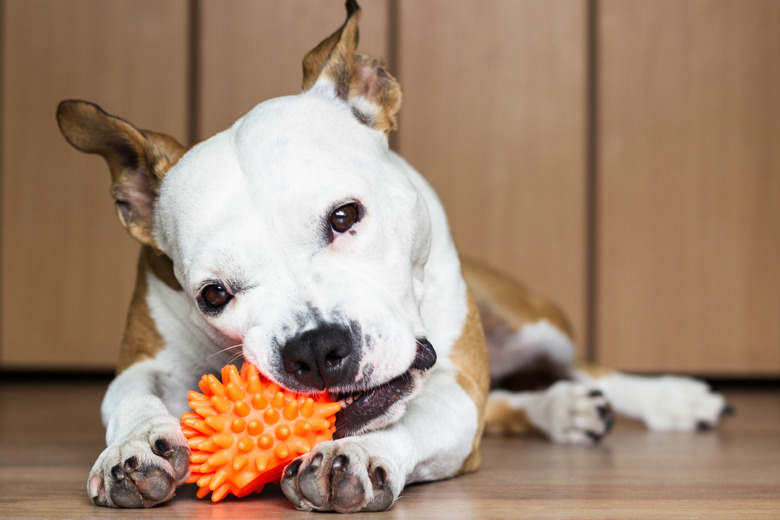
(360, 409)
(364, 408)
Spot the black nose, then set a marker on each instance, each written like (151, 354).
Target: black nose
(324, 357)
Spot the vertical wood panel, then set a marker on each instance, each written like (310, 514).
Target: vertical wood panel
(494, 116)
(690, 186)
(252, 51)
(67, 264)
(2, 142)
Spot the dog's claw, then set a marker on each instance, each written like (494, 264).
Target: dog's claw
(292, 469)
(131, 464)
(162, 448)
(338, 463)
(380, 476)
(117, 473)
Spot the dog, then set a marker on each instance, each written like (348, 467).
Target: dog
(298, 241)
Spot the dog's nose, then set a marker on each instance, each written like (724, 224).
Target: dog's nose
(321, 358)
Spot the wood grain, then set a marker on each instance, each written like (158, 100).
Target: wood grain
(689, 200)
(494, 116)
(47, 448)
(68, 265)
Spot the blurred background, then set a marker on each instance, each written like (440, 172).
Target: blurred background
(621, 157)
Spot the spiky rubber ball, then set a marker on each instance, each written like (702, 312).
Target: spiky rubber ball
(244, 430)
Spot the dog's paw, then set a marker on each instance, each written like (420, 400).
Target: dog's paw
(142, 470)
(338, 476)
(572, 413)
(683, 404)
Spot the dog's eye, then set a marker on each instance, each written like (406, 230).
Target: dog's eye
(344, 217)
(213, 297)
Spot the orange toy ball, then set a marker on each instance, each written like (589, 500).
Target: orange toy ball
(245, 429)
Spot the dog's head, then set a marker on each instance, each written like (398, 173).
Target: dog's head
(295, 232)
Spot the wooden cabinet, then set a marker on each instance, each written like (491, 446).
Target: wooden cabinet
(621, 157)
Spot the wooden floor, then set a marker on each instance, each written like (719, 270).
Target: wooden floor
(50, 434)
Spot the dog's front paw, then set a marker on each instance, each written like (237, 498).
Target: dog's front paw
(683, 404)
(142, 470)
(572, 413)
(338, 476)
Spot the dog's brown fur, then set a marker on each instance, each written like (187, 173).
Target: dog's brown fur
(507, 303)
(141, 338)
(470, 358)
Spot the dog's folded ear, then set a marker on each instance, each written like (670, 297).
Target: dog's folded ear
(138, 160)
(361, 81)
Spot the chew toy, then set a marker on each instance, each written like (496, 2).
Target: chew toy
(245, 429)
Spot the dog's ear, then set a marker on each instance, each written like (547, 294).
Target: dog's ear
(138, 160)
(361, 81)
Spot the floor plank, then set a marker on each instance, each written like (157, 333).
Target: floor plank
(51, 433)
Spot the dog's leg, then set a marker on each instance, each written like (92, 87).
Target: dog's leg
(147, 455)
(567, 412)
(367, 472)
(670, 403)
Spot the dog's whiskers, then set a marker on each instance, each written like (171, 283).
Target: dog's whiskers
(234, 356)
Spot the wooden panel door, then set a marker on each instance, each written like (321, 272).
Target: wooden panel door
(689, 154)
(251, 51)
(494, 115)
(68, 266)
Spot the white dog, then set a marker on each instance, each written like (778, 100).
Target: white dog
(298, 241)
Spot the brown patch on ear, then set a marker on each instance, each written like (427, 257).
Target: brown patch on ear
(375, 84)
(356, 78)
(141, 339)
(469, 355)
(138, 160)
